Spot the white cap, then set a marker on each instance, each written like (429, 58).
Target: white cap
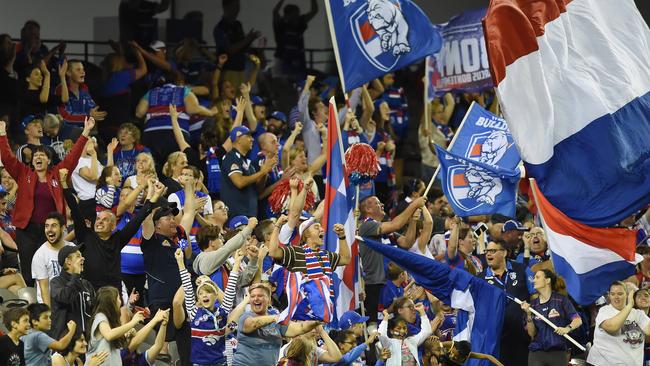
(157, 45)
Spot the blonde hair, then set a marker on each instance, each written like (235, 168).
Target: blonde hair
(133, 129)
(168, 168)
(294, 154)
(151, 169)
(300, 349)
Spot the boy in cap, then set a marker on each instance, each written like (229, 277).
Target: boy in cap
(33, 128)
(72, 296)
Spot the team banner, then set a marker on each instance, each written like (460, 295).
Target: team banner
(479, 173)
(374, 37)
(462, 63)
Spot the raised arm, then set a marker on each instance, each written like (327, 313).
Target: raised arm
(80, 228)
(321, 160)
(400, 220)
(288, 144)
(613, 325)
(111, 334)
(452, 247)
(216, 75)
(186, 281)
(231, 287)
(344, 248)
(176, 128)
(407, 241)
(141, 69)
(245, 90)
(427, 230)
(142, 334)
(63, 343)
(192, 106)
(14, 167)
(158, 62)
(45, 88)
(333, 353)
(63, 91)
(274, 243)
(368, 108)
(299, 328)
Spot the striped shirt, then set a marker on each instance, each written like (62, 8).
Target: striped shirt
(293, 259)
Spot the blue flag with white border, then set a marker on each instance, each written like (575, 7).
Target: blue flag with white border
(481, 306)
(375, 37)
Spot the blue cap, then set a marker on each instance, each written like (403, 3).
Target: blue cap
(279, 116)
(237, 221)
(255, 100)
(513, 225)
(238, 131)
(29, 119)
(350, 318)
(3, 191)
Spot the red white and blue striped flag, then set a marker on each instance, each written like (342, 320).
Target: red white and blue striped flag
(339, 209)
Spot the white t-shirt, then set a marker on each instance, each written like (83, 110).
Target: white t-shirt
(85, 189)
(625, 348)
(416, 249)
(45, 264)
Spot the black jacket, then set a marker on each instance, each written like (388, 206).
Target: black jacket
(72, 299)
(102, 257)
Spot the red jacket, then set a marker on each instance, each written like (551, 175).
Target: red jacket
(26, 179)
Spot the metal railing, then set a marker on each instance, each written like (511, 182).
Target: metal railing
(94, 51)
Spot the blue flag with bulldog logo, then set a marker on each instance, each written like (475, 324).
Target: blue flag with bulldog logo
(479, 172)
(375, 37)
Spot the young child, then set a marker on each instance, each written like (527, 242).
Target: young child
(39, 345)
(106, 333)
(403, 349)
(107, 195)
(210, 323)
(71, 356)
(16, 320)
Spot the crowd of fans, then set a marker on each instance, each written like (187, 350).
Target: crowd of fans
(135, 217)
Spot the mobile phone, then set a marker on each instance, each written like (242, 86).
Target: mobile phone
(480, 229)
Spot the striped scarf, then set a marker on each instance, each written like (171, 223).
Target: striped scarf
(318, 265)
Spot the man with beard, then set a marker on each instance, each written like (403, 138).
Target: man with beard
(102, 246)
(72, 296)
(45, 264)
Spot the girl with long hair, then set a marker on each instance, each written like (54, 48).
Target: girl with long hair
(106, 333)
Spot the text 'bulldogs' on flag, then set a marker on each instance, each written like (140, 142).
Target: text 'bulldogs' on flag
(479, 173)
(573, 81)
(374, 37)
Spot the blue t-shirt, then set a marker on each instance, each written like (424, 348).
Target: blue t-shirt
(388, 294)
(119, 82)
(36, 345)
(560, 311)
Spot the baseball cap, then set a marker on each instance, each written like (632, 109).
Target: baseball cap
(513, 225)
(65, 252)
(279, 116)
(29, 119)
(157, 45)
(166, 210)
(238, 131)
(256, 100)
(237, 221)
(350, 318)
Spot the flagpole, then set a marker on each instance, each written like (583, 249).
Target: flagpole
(548, 322)
(335, 44)
(451, 144)
(426, 94)
(332, 102)
(568, 337)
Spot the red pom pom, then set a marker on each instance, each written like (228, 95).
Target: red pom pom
(278, 200)
(362, 159)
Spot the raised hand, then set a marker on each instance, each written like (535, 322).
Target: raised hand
(223, 58)
(89, 124)
(339, 230)
(63, 174)
(252, 222)
(97, 114)
(297, 128)
(282, 220)
(173, 113)
(63, 68)
(244, 88)
(112, 145)
(256, 60)
(178, 254)
(43, 67)
(138, 317)
(72, 326)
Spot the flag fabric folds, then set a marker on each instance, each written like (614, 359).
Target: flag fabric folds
(475, 188)
(481, 306)
(339, 209)
(589, 259)
(374, 37)
(573, 81)
(308, 299)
